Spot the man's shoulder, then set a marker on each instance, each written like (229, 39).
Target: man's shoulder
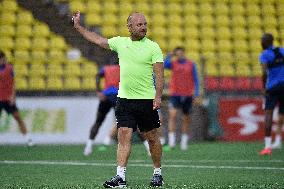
(151, 42)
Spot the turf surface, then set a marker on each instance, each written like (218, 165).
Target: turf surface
(204, 165)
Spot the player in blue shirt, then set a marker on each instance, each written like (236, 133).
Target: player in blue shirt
(272, 61)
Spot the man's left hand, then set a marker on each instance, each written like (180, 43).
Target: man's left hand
(157, 103)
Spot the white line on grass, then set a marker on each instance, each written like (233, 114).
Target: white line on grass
(214, 161)
(138, 165)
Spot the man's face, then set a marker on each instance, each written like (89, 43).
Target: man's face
(179, 54)
(138, 26)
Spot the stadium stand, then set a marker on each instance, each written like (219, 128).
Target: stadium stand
(226, 33)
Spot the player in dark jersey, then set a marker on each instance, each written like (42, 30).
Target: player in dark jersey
(8, 96)
(272, 61)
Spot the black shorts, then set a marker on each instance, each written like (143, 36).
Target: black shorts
(182, 102)
(9, 108)
(106, 105)
(274, 96)
(136, 112)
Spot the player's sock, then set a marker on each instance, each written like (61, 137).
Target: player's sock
(172, 139)
(89, 147)
(28, 139)
(163, 140)
(267, 142)
(184, 141)
(146, 144)
(120, 171)
(278, 139)
(157, 171)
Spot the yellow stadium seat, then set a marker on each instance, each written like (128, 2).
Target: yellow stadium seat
(211, 70)
(189, 8)
(224, 46)
(174, 20)
(281, 22)
(109, 31)
(174, 8)
(89, 70)
(57, 42)
(222, 21)
(93, 19)
(238, 21)
(24, 18)
(7, 18)
(7, 30)
(173, 43)
(38, 56)
(37, 70)
(191, 32)
(23, 31)
(254, 46)
(243, 70)
(36, 83)
(271, 30)
(21, 56)
(268, 9)
(123, 31)
(39, 44)
(56, 56)
(21, 83)
(158, 8)
(54, 70)
(280, 9)
(207, 45)
(254, 58)
(221, 9)
(162, 43)
(174, 32)
(76, 5)
(41, 30)
(254, 33)
(206, 21)
(190, 21)
(192, 45)
(239, 33)
(269, 22)
(93, 7)
(10, 5)
(253, 21)
(223, 33)
(142, 7)
(227, 70)
(158, 20)
(256, 70)
(20, 70)
(110, 19)
(54, 83)
(72, 70)
(88, 83)
(72, 83)
(252, 9)
(225, 58)
(240, 46)
(125, 7)
(207, 33)
(237, 9)
(22, 43)
(110, 7)
(205, 9)
(6, 43)
(241, 58)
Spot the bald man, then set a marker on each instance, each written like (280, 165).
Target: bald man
(138, 100)
(272, 61)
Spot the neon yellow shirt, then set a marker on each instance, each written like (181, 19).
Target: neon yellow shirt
(136, 59)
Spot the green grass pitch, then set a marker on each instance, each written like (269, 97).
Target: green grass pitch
(204, 165)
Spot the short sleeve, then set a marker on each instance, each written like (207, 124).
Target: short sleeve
(263, 59)
(113, 43)
(157, 54)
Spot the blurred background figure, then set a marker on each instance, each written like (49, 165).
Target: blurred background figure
(183, 88)
(272, 61)
(8, 95)
(107, 97)
(277, 144)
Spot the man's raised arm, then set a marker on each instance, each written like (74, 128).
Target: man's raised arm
(90, 36)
